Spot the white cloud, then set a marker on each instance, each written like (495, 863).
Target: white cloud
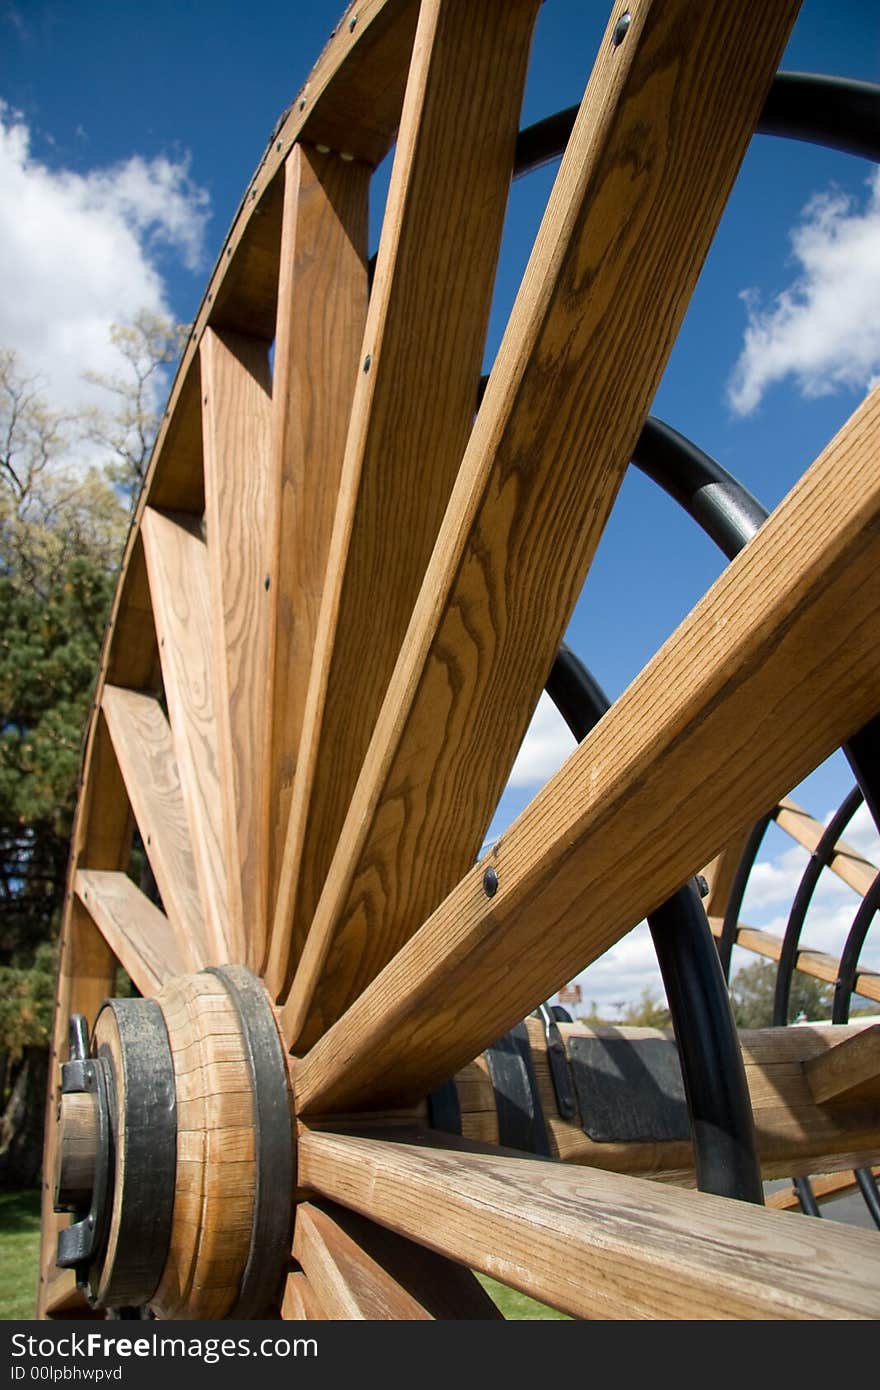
(79, 252)
(545, 747)
(823, 329)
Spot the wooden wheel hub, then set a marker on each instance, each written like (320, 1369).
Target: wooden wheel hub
(175, 1151)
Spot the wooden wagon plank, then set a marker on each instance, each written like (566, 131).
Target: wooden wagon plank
(143, 746)
(140, 936)
(587, 341)
(322, 304)
(794, 1133)
(361, 1271)
(849, 1073)
(177, 563)
(809, 962)
(236, 429)
(413, 407)
(829, 1185)
(780, 654)
(599, 1245)
(846, 862)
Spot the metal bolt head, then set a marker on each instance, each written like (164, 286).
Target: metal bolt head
(702, 885)
(490, 883)
(368, 362)
(351, 23)
(620, 29)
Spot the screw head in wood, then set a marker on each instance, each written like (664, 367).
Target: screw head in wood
(351, 23)
(620, 29)
(368, 362)
(490, 883)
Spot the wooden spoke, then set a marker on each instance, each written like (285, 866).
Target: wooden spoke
(764, 660)
(599, 1244)
(575, 375)
(177, 562)
(142, 743)
(236, 421)
(413, 406)
(299, 1303)
(809, 962)
(341, 597)
(846, 862)
(359, 1270)
(322, 304)
(140, 936)
(721, 872)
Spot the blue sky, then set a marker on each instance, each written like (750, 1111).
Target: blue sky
(129, 133)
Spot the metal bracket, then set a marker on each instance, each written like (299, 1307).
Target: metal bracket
(558, 1062)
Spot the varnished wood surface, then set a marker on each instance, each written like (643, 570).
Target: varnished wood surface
(850, 1073)
(177, 564)
(141, 937)
(596, 1244)
(236, 430)
(781, 649)
(143, 746)
(322, 305)
(570, 389)
(361, 1271)
(216, 1166)
(412, 411)
(299, 1303)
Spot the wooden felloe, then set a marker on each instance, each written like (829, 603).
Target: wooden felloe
(348, 578)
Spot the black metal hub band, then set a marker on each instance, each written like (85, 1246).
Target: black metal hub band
(272, 1230)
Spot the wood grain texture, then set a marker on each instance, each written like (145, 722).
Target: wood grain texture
(846, 862)
(850, 1072)
(299, 1303)
(351, 103)
(795, 1135)
(808, 961)
(779, 652)
(413, 407)
(600, 1245)
(721, 873)
(322, 305)
(216, 1167)
(361, 1271)
(177, 563)
(571, 387)
(236, 429)
(144, 750)
(140, 936)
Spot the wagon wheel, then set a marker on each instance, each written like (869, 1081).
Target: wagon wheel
(339, 604)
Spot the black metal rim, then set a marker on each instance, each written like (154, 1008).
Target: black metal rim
(150, 1157)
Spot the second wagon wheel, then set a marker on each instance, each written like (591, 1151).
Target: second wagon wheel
(340, 602)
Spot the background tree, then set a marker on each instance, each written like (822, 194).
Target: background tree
(147, 347)
(63, 521)
(753, 987)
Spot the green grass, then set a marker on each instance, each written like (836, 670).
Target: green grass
(19, 1253)
(19, 1259)
(518, 1305)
